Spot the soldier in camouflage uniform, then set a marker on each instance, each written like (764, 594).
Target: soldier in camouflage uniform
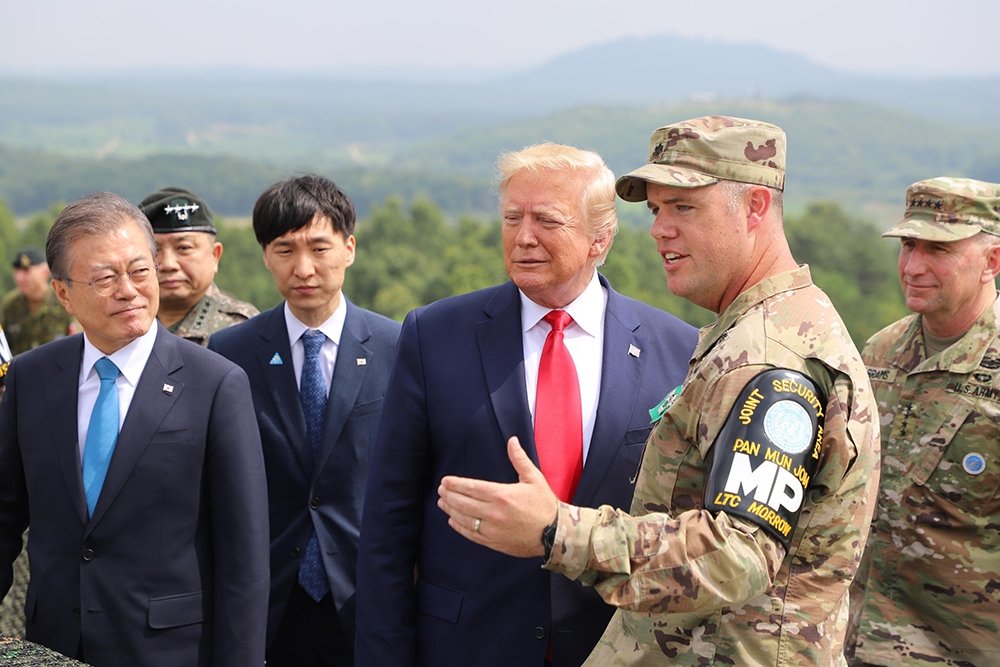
(191, 306)
(932, 590)
(31, 313)
(757, 486)
(12, 607)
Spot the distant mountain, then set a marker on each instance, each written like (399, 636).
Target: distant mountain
(854, 154)
(339, 119)
(652, 70)
(852, 138)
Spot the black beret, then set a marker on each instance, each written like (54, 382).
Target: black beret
(28, 257)
(177, 210)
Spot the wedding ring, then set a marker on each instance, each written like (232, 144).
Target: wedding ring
(476, 523)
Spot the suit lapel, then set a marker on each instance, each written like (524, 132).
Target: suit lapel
(348, 376)
(274, 360)
(64, 389)
(620, 375)
(154, 396)
(502, 355)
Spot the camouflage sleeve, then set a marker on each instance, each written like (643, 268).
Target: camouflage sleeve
(687, 561)
(656, 562)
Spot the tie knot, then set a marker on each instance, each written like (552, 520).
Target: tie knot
(313, 341)
(558, 319)
(106, 369)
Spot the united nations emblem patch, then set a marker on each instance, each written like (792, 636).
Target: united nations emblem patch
(974, 463)
(767, 452)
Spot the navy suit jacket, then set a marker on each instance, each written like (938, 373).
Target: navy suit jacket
(325, 496)
(171, 570)
(426, 595)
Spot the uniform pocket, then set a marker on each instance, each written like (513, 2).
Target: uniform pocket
(958, 461)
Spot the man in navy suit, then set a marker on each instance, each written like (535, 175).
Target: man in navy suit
(466, 377)
(317, 465)
(135, 457)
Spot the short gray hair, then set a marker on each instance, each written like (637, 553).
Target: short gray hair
(91, 215)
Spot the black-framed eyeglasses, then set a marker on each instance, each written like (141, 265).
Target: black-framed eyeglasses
(107, 285)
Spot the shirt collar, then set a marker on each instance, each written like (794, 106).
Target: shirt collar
(587, 310)
(332, 328)
(130, 360)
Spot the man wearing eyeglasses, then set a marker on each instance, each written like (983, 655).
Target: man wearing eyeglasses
(138, 455)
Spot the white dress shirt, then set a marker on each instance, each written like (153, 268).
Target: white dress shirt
(130, 360)
(584, 338)
(332, 328)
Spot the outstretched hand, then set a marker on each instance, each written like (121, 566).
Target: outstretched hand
(504, 517)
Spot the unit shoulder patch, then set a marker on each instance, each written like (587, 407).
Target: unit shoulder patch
(767, 452)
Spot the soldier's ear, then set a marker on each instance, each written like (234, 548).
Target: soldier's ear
(992, 262)
(758, 201)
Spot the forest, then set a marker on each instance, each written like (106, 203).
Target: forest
(416, 157)
(410, 254)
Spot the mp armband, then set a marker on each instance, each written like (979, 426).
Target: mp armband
(767, 452)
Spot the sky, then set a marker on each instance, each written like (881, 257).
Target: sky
(908, 37)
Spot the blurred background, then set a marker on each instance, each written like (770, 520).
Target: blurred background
(407, 105)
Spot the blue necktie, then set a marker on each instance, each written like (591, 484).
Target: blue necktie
(312, 392)
(102, 434)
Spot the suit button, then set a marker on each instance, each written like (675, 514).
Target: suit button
(296, 552)
(76, 612)
(88, 554)
(539, 632)
(314, 502)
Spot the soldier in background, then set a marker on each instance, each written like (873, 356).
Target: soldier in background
(12, 607)
(756, 489)
(188, 254)
(31, 313)
(932, 596)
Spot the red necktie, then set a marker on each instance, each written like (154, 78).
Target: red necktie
(558, 419)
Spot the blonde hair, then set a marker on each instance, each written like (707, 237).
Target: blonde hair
(598, 196)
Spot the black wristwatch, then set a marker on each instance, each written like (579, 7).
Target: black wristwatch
(549, 536)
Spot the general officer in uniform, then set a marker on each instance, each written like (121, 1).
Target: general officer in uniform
(932, 596)
(754, 496)
(32, 315)
(188, 254)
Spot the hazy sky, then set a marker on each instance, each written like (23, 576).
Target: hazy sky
(900, 36)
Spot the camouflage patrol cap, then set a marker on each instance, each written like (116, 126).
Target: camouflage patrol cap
(177, 210)
(703, 151)
(949, 209)
(28, 257)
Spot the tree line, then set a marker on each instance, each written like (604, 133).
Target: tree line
(411, 253)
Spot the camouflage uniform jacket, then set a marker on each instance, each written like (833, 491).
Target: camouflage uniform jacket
(25, 329)
(933, 593)
(700, 588)
(216, 310)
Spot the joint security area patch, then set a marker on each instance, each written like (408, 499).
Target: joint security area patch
(767, 452)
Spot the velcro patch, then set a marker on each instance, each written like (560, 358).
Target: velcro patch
(767, 452)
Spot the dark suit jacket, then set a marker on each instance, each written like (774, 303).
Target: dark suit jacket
(171, 571)
(456, 395)
(325, 496)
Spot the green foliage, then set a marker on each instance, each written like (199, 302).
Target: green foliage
(241, 270)
(852, 263)
(848, 152)
(410, 255)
